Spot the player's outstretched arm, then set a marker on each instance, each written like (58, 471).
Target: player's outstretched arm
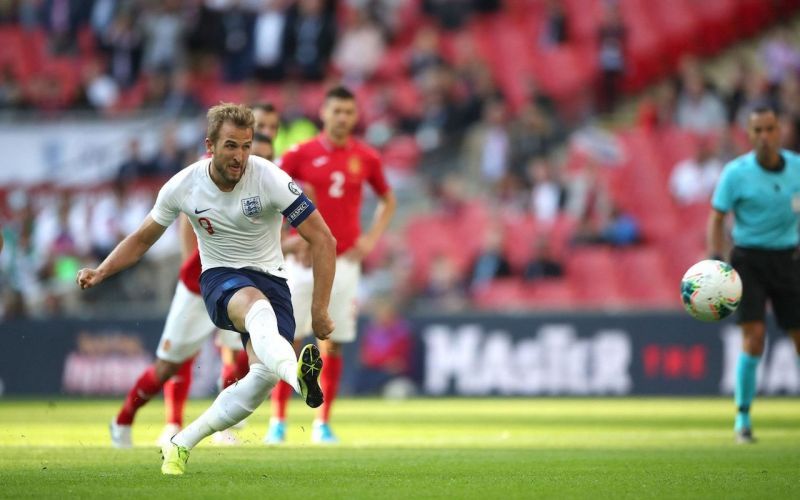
(124, 255)
(715, 237)
(322, 247)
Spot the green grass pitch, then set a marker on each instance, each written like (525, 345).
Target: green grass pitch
(437, 448)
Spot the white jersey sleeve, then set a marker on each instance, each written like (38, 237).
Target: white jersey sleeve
(171, 197)
(286, 196)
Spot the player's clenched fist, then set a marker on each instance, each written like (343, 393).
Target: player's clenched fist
(322, 324)
(87, 278)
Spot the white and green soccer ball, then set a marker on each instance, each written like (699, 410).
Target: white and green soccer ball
(711, 290)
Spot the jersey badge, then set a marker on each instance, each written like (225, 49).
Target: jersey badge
(251, 206)
(354, 165)
(294, 188)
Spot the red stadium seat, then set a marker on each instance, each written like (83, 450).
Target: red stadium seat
(592, 276)
(644, 279)
(548, 295)
(401, 153)
(500, 295)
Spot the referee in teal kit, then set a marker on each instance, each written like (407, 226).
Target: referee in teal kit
(762, 189)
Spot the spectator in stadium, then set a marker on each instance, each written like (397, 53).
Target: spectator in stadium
(693, 179)
(735, 93)
(107, 218)
(170, 157)
(123, 43)
(237, 42)
(180, 100)
(135, 166)
(164, 27)
(450, 14)
(490, 263)
(547, 195)
(424, 52)
(11, 95)
(699, 108)
(98, 90)
(21, 260)
(268, 41)
(622, 229)
(612, 36)
(309, 38)
(485, 150)
(359, 48)
(755, 90)
(543, 263)
(256, 303)
(440, 121)
(61, 19)
(657, 109)
(789, 99)
(385, 351)
(555, 27)
(444, 291)
(532, 136)
(757, 187)
(781, 56)
(479, 87)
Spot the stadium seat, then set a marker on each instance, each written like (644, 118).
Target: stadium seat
(550, 294)
(717, 24)
(500, 295)
(401, 153)
(644, 279)
(591, 272)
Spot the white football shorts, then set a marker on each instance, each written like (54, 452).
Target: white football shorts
(230, 339)
(342, 309)
(186, 328)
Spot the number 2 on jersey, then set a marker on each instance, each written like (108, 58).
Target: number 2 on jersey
(337, 185)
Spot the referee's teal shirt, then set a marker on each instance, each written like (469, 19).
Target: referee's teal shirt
(765, 203)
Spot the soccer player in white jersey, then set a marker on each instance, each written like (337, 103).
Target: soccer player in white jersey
(235, 203)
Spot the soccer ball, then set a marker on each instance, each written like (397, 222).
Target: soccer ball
(711, 290)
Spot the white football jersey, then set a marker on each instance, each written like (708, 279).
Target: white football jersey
(240, 228)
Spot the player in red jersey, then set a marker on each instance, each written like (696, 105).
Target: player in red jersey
(186, 328)
(335, 165)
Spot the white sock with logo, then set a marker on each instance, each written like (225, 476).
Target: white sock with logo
(274, 351)
(233, 405)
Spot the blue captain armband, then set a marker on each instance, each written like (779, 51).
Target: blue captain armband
(297, 212)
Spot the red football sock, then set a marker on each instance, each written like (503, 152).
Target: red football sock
(228, 374)
(280, 398)
(329, 383)
(145, 388)
(176, 391)
(242, 363)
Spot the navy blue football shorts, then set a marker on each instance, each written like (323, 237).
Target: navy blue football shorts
(218, 285)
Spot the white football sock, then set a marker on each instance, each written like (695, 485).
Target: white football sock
(274, 351)
(233, 405)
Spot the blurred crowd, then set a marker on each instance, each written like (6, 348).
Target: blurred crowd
(452, 138)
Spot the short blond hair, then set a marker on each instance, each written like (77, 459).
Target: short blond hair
(238, 114)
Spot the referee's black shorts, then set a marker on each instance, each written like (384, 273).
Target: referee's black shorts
(773, 275)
